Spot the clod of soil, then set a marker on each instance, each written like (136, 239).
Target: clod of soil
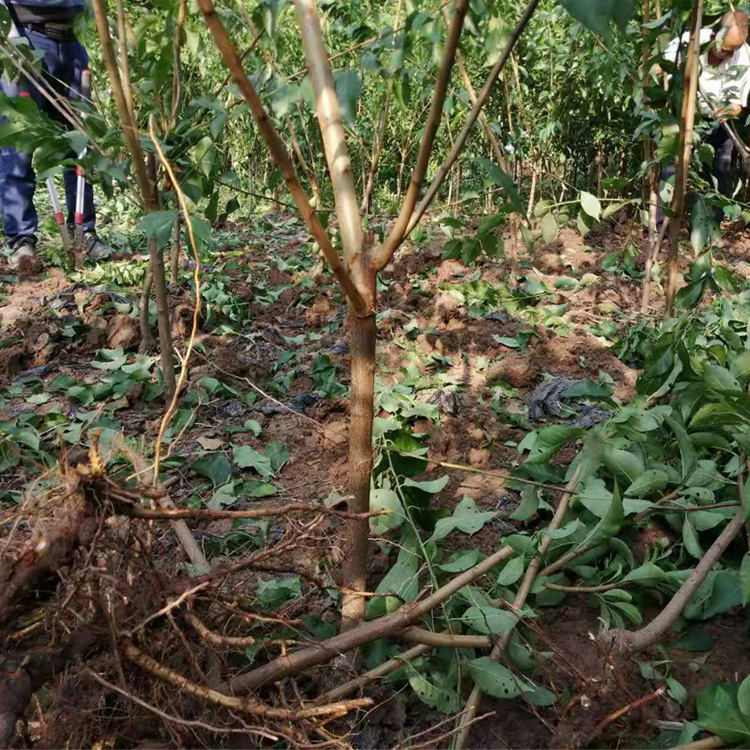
(516, 370)
(125, 334)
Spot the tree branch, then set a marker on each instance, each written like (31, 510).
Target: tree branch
(400, 230)
(253, 708)
(523, 592)
(385, 252)
(390, 625)
(332, 131)
(279, 153)
(629, 641)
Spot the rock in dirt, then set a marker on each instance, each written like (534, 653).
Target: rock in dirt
(124, 333)
(515, 370)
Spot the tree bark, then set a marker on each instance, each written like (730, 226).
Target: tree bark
(362, 346)
(148, 344)
(687, 121)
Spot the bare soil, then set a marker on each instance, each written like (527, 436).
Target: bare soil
(493, 381)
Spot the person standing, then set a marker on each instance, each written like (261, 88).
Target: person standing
(48, 26)
(723, 87)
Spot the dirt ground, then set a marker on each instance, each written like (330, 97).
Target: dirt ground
(422, 322)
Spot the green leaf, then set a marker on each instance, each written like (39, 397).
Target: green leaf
(495, 679)
(566, 283)
(489, 620)
(529, 504)
(512, 572)
(690, 538)
(718, 712)
(247, 457)
(348, 90)
(216, 468)
(590, 204)
(720, 379)
(549, 227)
(740, 366)
(623, 462)
(466, 518)
(550, 440)
(461, 561)
(204, 155)
(278, 454)
(385, 499)
(726, 280)
(596, 15)
(158, 224)
(743, 696)
(504, 180)
(647, 574)
(649, 482)
(677, 690)
(401, 581)
(432, 487)
(440, 698)
(687, 451)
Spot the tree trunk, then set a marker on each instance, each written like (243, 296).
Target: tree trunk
(162, 296)
(687, 120)
(148, 344)
(362, 345)
(176, 247)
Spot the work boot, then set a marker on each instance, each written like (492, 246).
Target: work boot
(21, 247)
(95, 248)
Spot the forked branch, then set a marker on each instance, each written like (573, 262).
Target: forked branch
(279, 153)
(384, 253)
(399, 231)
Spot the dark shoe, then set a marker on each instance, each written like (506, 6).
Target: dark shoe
(20, 248)
(95, 248)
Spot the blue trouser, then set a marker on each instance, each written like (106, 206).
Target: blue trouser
(64, 61)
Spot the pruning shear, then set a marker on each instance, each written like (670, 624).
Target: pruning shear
(78, 247)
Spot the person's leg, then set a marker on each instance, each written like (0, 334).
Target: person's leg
(723, 153)
(17, 184)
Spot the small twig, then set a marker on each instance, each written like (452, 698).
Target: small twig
(177, 719)
(170, 606)
(253, 708)
(586, 589)
(626, 710)
(263, 512)
(215, 638)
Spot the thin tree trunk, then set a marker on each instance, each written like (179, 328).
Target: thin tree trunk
(177, 62)
(147, 188)
(311, 178)
(377, 150)
(362, 328)
(162, 300)
(122, 39)
(176, 248)
(362, 345)
(148, 343)
(532, 193)
(687, 121)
